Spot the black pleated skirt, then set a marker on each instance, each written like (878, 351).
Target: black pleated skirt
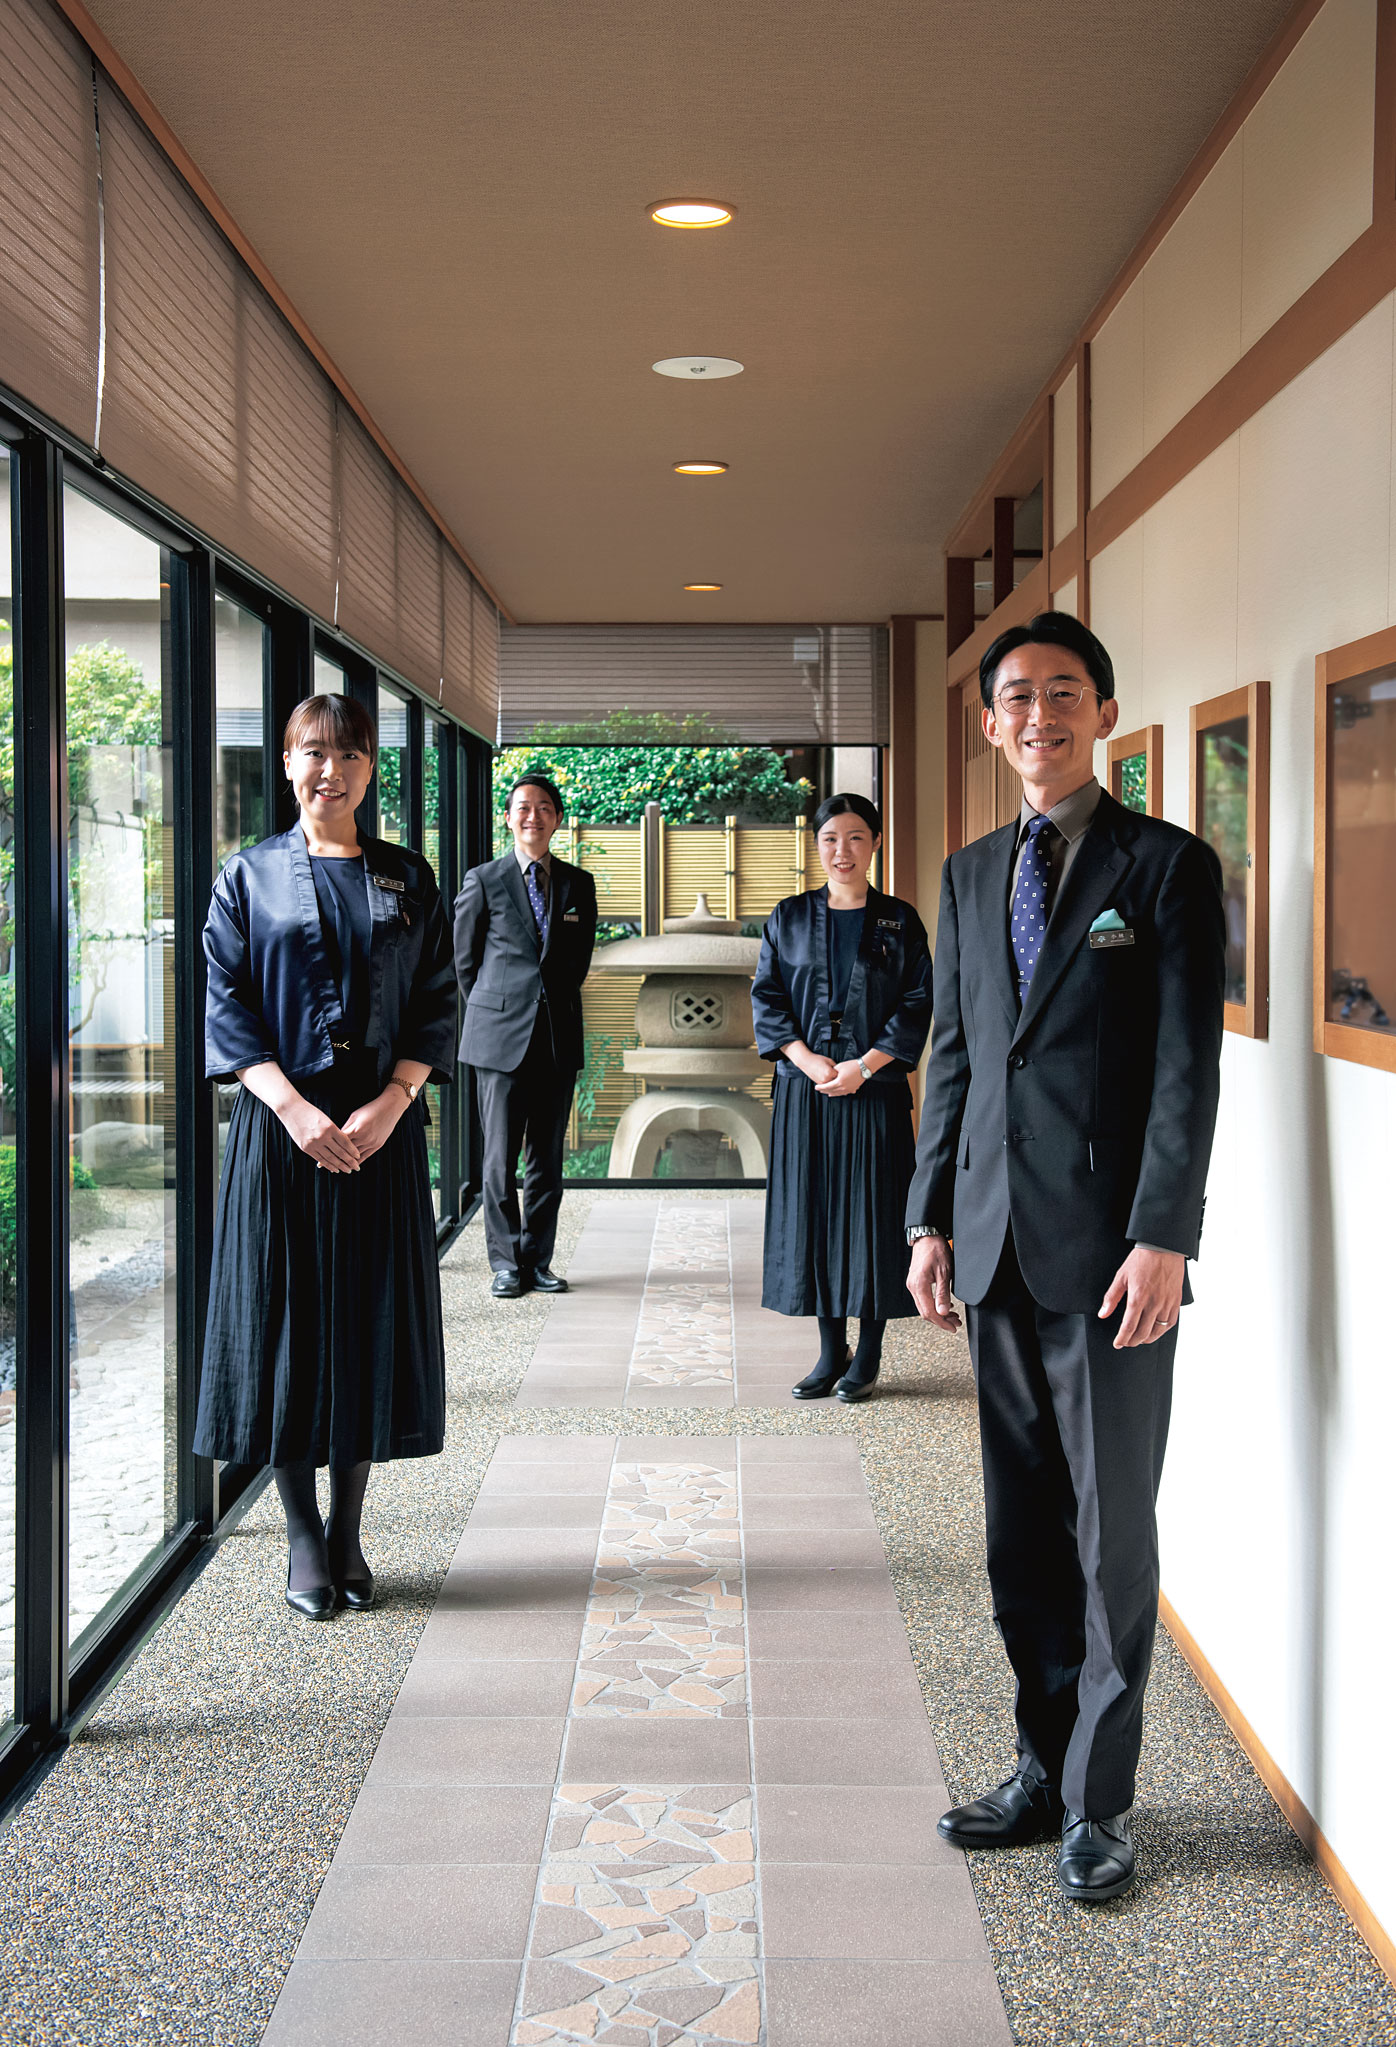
(324, 1334)
(840, 1172)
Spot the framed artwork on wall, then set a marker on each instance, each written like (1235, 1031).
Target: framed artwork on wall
(1355, 852)
(1135, 766)
(1229, 807)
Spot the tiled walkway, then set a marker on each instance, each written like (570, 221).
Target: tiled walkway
(665, 1311)
(659, 1773)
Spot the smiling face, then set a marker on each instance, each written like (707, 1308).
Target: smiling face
(533, 818)
(846, 847)
(330, 781)
(1050, 745)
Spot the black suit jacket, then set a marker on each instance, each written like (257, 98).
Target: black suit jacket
(1087, 1118)
(504, 972)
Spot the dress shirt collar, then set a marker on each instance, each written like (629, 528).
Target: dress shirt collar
(525, 861)
(1072, 816)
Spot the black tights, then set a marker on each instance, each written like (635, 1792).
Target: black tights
(322, 1554)
(833, 1348)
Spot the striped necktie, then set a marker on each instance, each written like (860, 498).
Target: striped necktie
(1028, 916)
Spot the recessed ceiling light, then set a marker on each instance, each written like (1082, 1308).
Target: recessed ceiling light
(702, 586)
(700, 469)
(690, 212)
(703, 368)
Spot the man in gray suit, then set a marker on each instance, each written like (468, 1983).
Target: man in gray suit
(525, 929)
(1070, 1100)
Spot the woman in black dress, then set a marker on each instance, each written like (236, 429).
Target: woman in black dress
(331, 997)
(842, 999)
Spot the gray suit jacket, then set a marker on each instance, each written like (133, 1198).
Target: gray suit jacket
(1086, 1119)
(504, 972)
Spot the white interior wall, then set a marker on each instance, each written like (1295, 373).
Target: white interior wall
(1278, 1512)
(1290, 193)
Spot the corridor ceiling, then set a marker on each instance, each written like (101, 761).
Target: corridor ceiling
(929, 197)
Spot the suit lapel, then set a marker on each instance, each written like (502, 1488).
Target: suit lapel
(516, 889)
(1093, 878)
(993, 877)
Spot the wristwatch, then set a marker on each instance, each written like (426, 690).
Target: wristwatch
(865, 1069)
(396, 1080)
(922, 1230)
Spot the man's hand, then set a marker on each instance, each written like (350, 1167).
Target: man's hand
(1151, 1285)
(371, 1126)
(844, 1079)
(929, 1282)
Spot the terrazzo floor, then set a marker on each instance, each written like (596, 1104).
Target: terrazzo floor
(160, 1882)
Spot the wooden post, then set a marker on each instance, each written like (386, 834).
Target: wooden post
(959, 600)
(1004, 509)
(899, 823)
(729, 855)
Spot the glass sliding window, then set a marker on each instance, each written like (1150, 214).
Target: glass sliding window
(330, 678)
(433, 748)
(121, 965)
(240, 656)
(1230, 809)
(393, 766)
(1355, 863)
(9, 1273)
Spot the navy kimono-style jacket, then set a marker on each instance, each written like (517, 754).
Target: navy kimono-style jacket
(272, 993)
(889, 995)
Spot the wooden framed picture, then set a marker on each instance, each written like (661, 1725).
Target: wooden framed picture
(1135, 766)
(1229, 807)
(1355, 852)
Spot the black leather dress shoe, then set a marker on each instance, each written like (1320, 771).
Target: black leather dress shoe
(817, 1385)
(316, 1603)
(359, 1594)
(507, 1284)
(1023, 1809)
(852, 1390)
(546, 1281)
(1097, 1858)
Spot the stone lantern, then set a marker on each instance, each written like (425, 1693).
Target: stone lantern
(696, 1052)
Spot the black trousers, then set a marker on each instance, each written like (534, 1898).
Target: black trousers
(1073, 1435)
(528, 1107)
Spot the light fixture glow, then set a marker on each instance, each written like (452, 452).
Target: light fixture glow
(690, 213)
(700, 469)
(702, 586)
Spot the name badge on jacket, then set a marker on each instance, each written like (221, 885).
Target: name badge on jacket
(571, 916)
(386, 881)
(1109, 930)
(889, 923)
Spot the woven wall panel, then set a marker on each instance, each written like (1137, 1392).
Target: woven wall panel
(418, 593)
(48, 217)
(367, 540)
(786, 685)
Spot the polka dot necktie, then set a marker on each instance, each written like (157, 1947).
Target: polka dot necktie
(535, 896)
(1028, 916)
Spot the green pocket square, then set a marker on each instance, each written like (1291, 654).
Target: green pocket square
(1109, 920)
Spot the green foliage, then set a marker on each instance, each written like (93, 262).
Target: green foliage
(9, 1227)
(590, 1162)
(603, 1052)
(610, 770)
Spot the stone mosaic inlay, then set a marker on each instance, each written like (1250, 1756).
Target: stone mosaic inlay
(646, 1911)
(666, 1626)
(684, 1333)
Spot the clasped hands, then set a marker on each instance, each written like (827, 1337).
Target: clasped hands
(1150, 1283)
(830, 1076)
(344, 1149)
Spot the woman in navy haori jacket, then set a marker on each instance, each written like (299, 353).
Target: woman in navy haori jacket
(842, 1000)
(332, 998)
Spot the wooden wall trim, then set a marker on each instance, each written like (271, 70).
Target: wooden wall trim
(1251, 1018)
(135, 93)
(1029, 597)
(1023, 463)
(1360, 279)
(1302, 1821)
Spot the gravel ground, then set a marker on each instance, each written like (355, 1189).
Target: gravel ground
(157, 1883)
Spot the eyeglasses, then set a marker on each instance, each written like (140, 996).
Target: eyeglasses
(1018, 698)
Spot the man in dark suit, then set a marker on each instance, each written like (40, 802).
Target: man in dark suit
(1070, 1099)
(525, 929)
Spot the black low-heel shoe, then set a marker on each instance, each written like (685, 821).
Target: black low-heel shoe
(819, 1385)
(316, 1603)
(852, 1390)
(359, 1594)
